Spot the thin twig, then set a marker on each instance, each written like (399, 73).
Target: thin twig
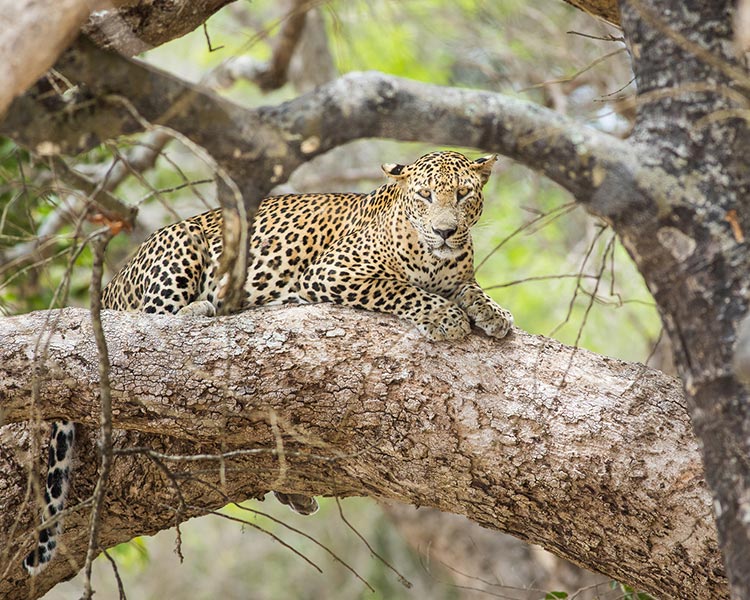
(309, 537)
(96, 192)
(208, 39)
(105, 415)
(551, 215)
(609, 248)
(120, 586)
(538, 278)
(226, 455)
(571, 304)
(203, 511)
(403, 580)
(578, 73)
(602, 38)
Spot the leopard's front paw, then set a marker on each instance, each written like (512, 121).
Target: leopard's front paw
(447, 322)
(494, 320)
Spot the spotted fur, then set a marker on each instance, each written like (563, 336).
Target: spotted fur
(404, 249)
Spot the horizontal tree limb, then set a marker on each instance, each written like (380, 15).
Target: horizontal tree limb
(523, 435)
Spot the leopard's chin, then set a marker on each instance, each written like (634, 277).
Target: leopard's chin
(444, 252)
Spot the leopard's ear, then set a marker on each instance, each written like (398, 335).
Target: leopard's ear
(394, 171)
(483, 166)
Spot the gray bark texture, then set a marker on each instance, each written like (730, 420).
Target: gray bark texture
(689, 239)
(677, 193)
(341, 402)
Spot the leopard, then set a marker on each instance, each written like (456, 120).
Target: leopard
(403, 249)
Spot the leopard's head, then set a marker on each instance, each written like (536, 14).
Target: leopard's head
(442, 197)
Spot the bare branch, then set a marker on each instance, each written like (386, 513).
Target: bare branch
(260, 148)
(110, 206)
(495, 438)
(105, 409)
(271, 74)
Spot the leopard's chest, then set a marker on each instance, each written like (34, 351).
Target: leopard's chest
(439, 275)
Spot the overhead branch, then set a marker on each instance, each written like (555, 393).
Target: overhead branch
(137, 26)
(274, 73)
(604, 9)
(371, 104)
(33, 37)
(261, 147)
(40, 32)
(362, 405)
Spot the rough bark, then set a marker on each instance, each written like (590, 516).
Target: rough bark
(34, 35)
(605, 9)
(139, 25)
(690, 240)
(362, 405)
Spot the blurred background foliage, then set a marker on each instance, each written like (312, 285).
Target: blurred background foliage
(560, 272)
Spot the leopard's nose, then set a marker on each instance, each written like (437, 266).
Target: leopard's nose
(445, 233)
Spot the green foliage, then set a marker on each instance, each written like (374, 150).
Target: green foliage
(359, 44)
(556, 596)
(17, 200)
(43, 278)
(536, 271)
(132, 555)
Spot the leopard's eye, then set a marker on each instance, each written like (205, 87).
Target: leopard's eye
(426, 193)
(462, 192)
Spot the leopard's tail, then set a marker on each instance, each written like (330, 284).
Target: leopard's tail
(62, 439)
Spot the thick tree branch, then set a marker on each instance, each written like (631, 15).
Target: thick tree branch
(260, 148)
(34, 36)
(140, 25)
(367, 407)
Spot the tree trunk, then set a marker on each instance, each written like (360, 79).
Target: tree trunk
(524, 435)
(688, 238)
